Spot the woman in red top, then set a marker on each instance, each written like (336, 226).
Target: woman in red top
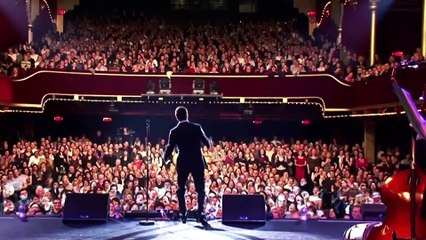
(361, 161)
(137, 163)
(229, 159)
(301, 164)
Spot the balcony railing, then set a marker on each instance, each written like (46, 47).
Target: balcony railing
(333, 95)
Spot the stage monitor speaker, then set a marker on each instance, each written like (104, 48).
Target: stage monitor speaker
(373, 212)
(243, 208)
(86, 207)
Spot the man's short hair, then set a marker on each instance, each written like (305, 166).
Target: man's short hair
(181, 113)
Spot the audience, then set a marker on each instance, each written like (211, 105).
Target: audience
(151, 45)
(39, 175)
(299, 179)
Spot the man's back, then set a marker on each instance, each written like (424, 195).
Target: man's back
(187, 137)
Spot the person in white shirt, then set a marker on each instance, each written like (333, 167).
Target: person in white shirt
(35, 159)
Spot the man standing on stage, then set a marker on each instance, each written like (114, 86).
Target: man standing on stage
(187, 137)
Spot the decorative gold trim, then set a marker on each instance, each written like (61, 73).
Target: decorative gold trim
(180, 75)
(373, 7)
(76, 97)
(19, 111)
(282, 99)
(22, 105)
(383, 105)
(424, 29)
(362, 115)
(82, 98)
(137, 75)
(322, 75)
(337, 110)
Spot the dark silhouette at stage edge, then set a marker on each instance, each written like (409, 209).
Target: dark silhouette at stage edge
(187, 137)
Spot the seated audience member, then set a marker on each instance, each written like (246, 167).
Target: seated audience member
(9, 208)
(57, 207)
(23, 199)
(331, 214)
(292, 211)
(35, 209)
(356, 213)
(376, 198)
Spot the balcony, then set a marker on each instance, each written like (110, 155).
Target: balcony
(279, 97)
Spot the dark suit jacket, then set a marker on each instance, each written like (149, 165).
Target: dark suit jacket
(187, 137)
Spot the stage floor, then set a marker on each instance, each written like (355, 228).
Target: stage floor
(53, 228)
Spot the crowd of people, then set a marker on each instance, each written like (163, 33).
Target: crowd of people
(152, 45)
(297, 179)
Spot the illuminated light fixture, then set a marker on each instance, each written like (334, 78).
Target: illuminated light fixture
(165, 86)
(214, 88)
(398, 54)
(58, 119)
(150, 87)
(351, 2)
(306, 122)
(304, 214)
(198, 85)
(48, 9)
(257, 122)
(61, 11)
(325, 13)
(22, 214)
(106, 119)
(312, 13)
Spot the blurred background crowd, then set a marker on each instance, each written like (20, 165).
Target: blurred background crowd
(157, 45)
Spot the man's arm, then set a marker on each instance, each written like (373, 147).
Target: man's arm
(205, 139)
(170, 146)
